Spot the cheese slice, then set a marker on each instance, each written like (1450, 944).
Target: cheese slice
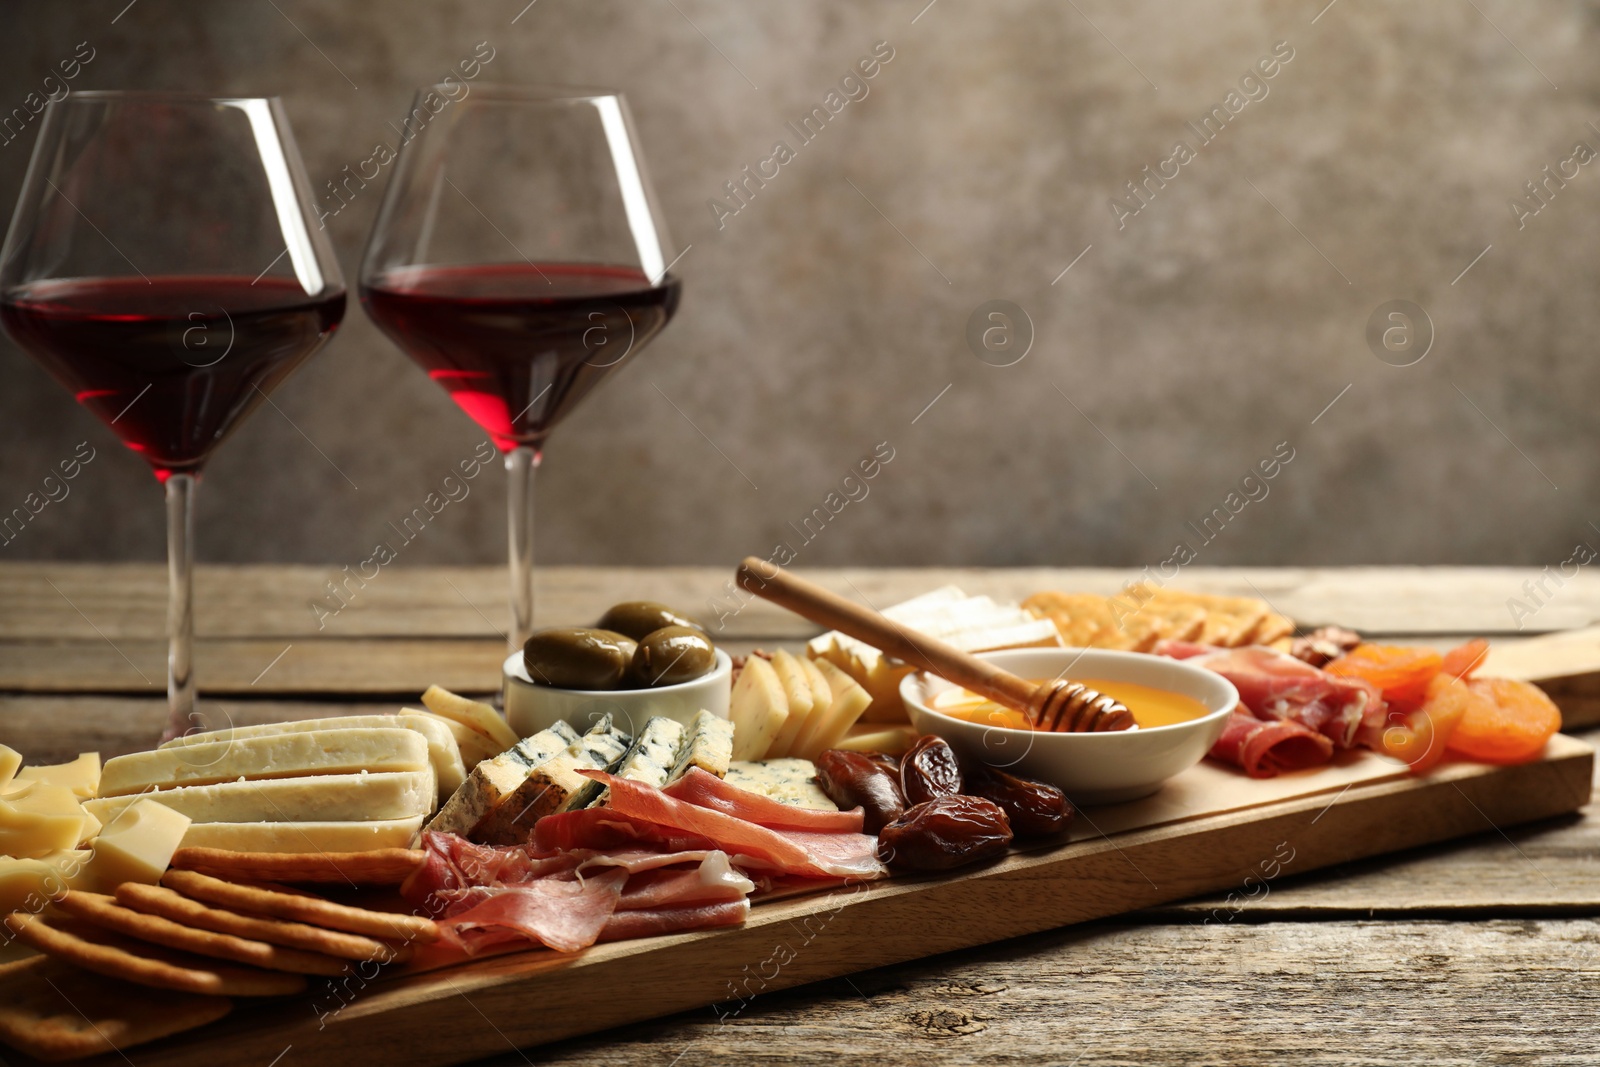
(829, 728)
(761, 701)
(788, 781)
(82, 775)
(304, 836)
(649, 760)
(270, 756)
(443, 752)
(310, 798)
(876, 737)
(708, 745)
(37, 817)
(492, 780)
(475, 714)
(555, 785)
(136, 846)
(10, 760)
(29, 884)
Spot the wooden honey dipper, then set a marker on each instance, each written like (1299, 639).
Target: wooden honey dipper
(1057, 705)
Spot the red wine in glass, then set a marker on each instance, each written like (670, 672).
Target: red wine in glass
(170, 364)
(517, 346)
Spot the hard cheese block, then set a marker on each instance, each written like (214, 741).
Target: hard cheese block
(303, 836)
(137, 845)
(443, 752)
(492, 780)
(37, 817)
(270, 756)
(788, 781)
(309, 798)
(708, 745)
(555, 785)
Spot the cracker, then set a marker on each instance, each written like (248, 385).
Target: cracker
(54, 1012)
(382, 866)
(104, 911)
(159, 900)
(301, 907)
(114, 956)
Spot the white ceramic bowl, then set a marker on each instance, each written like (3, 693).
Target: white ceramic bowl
(531, 708)
(1092, 768)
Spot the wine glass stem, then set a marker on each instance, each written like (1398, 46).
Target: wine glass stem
(180, 605)
(521, 462)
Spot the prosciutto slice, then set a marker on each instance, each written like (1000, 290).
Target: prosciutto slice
(1276, 686)
(565, 914)
(1265, 748)
(609, 830)
(815, 855)
(708, 791)
(648, 923)
(714, 881)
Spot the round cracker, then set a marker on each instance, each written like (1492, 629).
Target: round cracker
(170, 904)
(104, 911)
(301, 907)
(53, 1011)
(380, 866)
(115, 956)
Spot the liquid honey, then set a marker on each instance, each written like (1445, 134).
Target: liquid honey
(1151, 707)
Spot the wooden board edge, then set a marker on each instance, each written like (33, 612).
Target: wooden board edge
(529, 999)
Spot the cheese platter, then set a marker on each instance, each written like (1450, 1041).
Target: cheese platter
(908, 783)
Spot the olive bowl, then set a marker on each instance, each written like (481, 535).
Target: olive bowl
(1091, 768)
(532, 707)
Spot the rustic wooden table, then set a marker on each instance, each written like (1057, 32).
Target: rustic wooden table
(1481, 951)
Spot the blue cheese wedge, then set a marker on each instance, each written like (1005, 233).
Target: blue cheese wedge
(495, 779)
(555, 785)
(651, 758)
(708, 745)
(788, 781)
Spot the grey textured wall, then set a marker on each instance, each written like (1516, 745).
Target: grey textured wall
(1186, 342)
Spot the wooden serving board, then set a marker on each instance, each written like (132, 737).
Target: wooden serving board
(1292, 825)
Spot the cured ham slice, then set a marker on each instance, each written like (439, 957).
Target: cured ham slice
(1276, 686)
(451, 862)
(709, 791)
(714, 881)
(629, 924)
(816, 855)
(1265, 748)
(564, 914)
(609, 830)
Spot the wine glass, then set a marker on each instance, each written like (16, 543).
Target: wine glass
(162, 266)
(519, 259)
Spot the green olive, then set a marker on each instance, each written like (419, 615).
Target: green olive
(671, 655)
(640, 618)
(576, 657)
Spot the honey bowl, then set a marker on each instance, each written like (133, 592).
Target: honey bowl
(1093, 768)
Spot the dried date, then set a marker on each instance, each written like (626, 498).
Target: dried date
(929, 769)
(945, 832)
(1035, 809)
(861, 779)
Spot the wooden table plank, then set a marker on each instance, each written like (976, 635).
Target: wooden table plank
(1320, 994)
(128, 601)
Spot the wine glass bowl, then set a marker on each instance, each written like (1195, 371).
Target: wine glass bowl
(161, 266)
(519, 259)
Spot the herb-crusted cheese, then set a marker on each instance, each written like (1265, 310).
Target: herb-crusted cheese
(788, 781)
(555, 785)
(495, 779)
(708, 745)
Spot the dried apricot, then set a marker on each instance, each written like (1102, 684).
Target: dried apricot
(1462, 660)
(1402, 673)
(1511, 725)
(1420, 737)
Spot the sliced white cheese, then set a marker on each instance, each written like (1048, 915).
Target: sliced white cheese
(555, 785)
(707, 745)
(492, 780)
(304, 836)
(788, 781)
(310, 798)
(448, 768)
(271, 756)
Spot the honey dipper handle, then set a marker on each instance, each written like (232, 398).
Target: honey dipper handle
(811, 601)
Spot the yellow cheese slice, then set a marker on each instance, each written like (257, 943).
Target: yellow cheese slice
(271, 756)
(37, 817)
(82, 775)
(10, 760)
(476, 714)
(304, 836)
(309, 798)
(136, 846)
(29, 884)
